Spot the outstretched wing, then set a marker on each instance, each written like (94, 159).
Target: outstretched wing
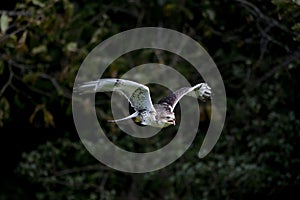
(201, 90)
(137, 94)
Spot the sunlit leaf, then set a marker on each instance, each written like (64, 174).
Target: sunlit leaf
(168, 8)
(30, 78)
(4, 22)
(48, 118)
(39, 49)
(22, 40)
(38, 3)
(72, 47)
(69, 7)
(296, 27)
(36, 110)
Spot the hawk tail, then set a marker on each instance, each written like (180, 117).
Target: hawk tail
(125, 118)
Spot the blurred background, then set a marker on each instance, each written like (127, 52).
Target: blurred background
(254, 43)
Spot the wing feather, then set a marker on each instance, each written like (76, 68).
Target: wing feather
(137, 94)
(201, 90)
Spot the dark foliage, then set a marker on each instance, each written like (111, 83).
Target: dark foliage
(256, 46)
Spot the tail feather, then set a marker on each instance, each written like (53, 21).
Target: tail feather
(125, 118)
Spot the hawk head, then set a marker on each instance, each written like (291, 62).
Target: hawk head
(164, 115)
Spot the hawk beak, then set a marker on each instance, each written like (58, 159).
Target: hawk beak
(172, 122)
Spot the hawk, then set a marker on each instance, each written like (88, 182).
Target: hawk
(157, 115)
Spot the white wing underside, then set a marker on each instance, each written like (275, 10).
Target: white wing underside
(137, 94)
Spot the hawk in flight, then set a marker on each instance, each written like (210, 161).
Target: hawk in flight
(157, 115)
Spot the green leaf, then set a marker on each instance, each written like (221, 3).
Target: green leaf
(38, 3)
(4, 22)
(48, 118)
(30, 78)
(39, 49)
(296, 27)
(72, 46)
(69, 7)
(1, 67)
(188, 13)
(23, 38)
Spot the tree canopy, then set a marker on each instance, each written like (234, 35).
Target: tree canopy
(254, 43)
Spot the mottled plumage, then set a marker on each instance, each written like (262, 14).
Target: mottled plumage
(157, 115)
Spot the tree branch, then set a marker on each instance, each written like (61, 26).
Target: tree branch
(290, 59)
(80, 169)
(11, 74)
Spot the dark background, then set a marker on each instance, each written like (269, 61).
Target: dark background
(255, 44)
